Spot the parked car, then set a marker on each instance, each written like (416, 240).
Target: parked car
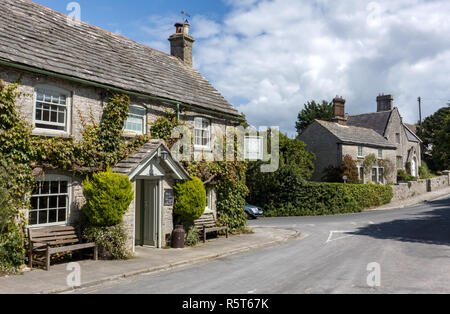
(253, 212)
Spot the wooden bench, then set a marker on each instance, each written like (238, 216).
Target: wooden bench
(207, 224)
(51, 240)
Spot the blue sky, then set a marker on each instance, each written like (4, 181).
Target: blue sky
(124, 16)
(269, 57)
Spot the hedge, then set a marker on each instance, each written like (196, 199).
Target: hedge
(315, 199)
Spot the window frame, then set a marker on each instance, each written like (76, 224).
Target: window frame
(68, 123)
(380, 153)
(208, 208)
(208, 129)
(360, 151)
(362, 175)
(380, 171)
(50, 178)
(143, 117)
(375, 175)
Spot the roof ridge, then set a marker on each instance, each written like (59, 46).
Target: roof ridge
(367, 113)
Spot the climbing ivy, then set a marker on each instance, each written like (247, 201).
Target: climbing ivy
(227, 178)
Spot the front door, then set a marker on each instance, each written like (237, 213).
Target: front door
(148, 217)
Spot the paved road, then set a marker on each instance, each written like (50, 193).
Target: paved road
(412, 247)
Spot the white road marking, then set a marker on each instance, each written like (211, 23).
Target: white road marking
(252, 292)
(330, 238)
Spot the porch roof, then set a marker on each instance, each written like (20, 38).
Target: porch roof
(144, 156)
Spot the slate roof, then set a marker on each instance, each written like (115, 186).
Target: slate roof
(376, 121)
(356, 135)
(412, 137)
(127, 166)
(36, 36)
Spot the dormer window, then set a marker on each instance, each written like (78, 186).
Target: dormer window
(136, 120)
(52, 109)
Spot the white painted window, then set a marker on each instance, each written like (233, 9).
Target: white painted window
(381, 175)
(380, 153)
(374, 175)
(209, 201)
(52, 109)
(253, 147)
(360, 151)
(202, 136)
(136, 120)
(50, 202)
(361, 173)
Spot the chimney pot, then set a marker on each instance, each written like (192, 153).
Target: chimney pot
(339, 111)
(181, 43)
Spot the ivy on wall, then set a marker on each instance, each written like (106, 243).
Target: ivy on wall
(227, 178)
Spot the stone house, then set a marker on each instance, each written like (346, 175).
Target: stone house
(68, 69)
(381, 133)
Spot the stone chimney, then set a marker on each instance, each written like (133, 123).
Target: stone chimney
(385, 103)
(181, 43)
(339, 111)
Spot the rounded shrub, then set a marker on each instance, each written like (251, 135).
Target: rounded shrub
(108, 196)
(190, 200)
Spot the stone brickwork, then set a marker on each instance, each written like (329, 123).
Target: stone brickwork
(325, 147)
(405, 191)
(87, 101)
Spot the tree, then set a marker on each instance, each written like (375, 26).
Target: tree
(436, 139)
(348, 169)
(296, 165)
(314, 111)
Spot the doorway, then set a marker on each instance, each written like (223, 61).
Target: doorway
(147, 212)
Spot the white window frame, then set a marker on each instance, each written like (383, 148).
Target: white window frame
(208, 209)
(360, 151)
(378, 175)
(363, 178)
(208, 129)
(143, 117)
(67, 124)
(254, 156)
(380, 153)
(68, 204)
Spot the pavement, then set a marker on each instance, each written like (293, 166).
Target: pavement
(390, 251)
(147, 260)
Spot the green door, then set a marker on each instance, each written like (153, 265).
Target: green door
(147, 218)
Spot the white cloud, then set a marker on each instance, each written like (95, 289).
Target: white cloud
(269, 57)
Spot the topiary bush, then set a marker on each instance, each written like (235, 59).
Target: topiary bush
(108, 196)
(190, 200)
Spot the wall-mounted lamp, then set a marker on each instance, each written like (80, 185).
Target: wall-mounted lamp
(164, 155)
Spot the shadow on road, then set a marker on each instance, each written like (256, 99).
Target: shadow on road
(430, 226)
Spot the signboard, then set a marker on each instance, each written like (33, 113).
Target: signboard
(168, 197)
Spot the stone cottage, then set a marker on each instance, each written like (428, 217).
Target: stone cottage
(381, 133)
(67, 68)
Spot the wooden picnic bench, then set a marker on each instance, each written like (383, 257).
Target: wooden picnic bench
(207, 224)
(51, 240)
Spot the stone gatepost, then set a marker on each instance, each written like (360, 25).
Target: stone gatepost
(447, 173)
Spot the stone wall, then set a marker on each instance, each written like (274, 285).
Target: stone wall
(405, 191)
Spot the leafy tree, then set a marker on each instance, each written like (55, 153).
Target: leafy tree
(296, 165)
(348, 169)
(312, 111)
(436, 139)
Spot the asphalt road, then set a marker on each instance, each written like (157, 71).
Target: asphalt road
(411, 247)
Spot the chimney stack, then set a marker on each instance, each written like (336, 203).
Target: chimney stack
(339, 111)
(385, 103)
(181, 43)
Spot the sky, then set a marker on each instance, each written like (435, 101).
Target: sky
(269, 57)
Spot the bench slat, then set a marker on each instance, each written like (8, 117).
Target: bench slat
(71, 248)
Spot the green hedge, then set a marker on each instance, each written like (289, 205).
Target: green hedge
(314, 199)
